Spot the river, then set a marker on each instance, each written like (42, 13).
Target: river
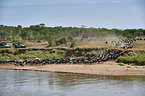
(35, 83)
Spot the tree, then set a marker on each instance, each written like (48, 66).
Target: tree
(19, 26)
(44, 31)
(83, 26)
(42, 25)
(3, 34)
(61, 41)
(84, 36)
(24, 34)
(50, 41)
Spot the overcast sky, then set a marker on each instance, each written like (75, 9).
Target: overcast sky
(121, 14)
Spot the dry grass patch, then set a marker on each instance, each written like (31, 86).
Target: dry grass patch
(139, 45)
(92, 44)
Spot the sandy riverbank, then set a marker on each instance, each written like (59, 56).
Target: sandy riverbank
(107, 68)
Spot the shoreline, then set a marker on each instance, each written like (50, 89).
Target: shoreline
(106, 68)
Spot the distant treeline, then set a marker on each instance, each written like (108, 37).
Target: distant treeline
(41, 32)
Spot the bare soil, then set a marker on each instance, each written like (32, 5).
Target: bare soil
(106, 68)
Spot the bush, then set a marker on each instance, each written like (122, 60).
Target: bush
(70, 38)
(60, 52)
(30, 38)
(61, 41)
(119, 59)
(50, 42)
(2, 58)
(15, 40)
(72, 44)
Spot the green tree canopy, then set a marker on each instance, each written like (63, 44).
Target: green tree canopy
(3, 34)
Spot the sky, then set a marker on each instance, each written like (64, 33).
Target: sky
(120, 14)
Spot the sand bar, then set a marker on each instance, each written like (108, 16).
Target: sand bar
(107, 68)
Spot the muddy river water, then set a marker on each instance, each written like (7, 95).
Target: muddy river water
(35, 83)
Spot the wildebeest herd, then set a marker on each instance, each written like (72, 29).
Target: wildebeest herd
(125, 44)
(106, 54)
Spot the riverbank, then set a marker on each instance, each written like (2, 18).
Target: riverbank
(106, 68)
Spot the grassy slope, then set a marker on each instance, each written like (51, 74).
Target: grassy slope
(136, 55)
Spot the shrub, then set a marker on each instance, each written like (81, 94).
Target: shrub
(50, 42)
(15, 40)
(2, 58)
(119, 59)
(30, 38)
(60, 52)
(72, 44)
(70, 38)
(61, 41)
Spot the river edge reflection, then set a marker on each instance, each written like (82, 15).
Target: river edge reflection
(32, 83)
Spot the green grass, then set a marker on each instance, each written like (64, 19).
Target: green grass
(121, 64)
(138, 58)
(32, 55)
(39, 54)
